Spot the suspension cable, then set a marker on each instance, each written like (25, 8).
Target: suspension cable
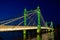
(23, 21)
(43, 19)
(31, 20)
(34, 21)
(5, 21)
(15, 19)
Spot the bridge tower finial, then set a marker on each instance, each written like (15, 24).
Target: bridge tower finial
(38, 8)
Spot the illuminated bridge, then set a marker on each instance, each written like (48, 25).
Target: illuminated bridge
(31, 20)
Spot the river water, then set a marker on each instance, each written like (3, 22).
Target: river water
(31, 35)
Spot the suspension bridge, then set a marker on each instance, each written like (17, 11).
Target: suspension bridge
(31, 20)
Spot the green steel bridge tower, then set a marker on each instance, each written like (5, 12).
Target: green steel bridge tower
(39, 23)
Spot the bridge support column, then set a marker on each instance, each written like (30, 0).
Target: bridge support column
(24, 31)
(39, 25)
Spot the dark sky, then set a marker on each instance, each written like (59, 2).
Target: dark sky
(14, 8)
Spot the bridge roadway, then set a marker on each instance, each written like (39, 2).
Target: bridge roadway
(15, 28)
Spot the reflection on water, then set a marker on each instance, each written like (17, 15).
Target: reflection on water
(1, 38)
(31, 35)
(48, 36)
(45, 36)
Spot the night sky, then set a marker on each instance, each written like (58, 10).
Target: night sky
(14, 8)
(50, 10)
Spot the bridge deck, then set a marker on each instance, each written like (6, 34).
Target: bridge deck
(13, 28)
